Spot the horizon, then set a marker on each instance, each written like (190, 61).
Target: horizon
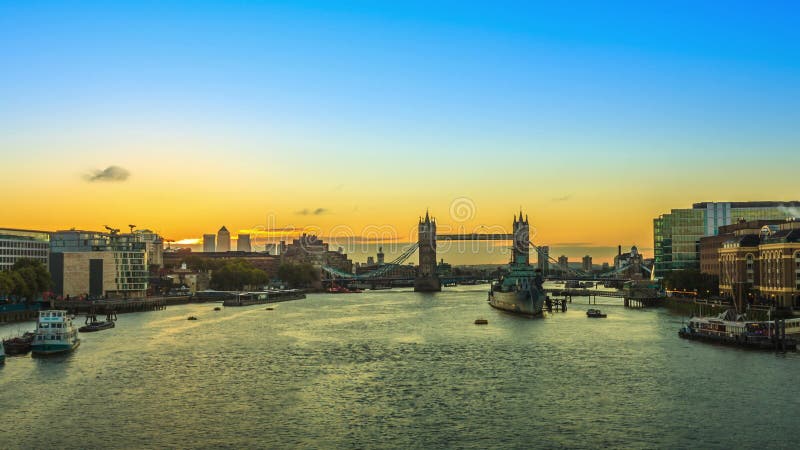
(594, 121)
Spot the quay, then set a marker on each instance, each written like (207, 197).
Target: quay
(628, 300)
(94, 307)
(17, 313)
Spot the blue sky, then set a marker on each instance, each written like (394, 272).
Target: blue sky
(585, 98)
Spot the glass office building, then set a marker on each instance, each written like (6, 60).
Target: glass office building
(23, 244)
(676, 235)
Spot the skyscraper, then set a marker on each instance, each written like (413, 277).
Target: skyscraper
(243, 243)
(223, 240)
(209, 243)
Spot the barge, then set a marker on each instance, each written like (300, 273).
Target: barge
(260, 298)
(761, 335)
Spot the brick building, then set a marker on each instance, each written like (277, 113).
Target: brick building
(710, 245)
(763, 268)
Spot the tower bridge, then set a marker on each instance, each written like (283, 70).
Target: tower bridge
(427, 278)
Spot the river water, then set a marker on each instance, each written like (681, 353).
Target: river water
(397, 369)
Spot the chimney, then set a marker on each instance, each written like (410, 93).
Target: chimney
(619, 250)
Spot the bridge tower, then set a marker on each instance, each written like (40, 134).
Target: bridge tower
(521, 254)
(427, 279)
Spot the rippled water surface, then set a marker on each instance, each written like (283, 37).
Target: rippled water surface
(402, 370)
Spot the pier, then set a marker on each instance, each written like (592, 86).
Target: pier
(629, 301)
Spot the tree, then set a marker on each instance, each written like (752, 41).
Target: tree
(236, 274)
(6, 284)
(298, 275)
(27, 279)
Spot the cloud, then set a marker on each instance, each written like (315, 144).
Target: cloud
(110, 173)
(563, 199)
(312, 212)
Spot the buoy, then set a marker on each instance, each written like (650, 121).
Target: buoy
(481, 322)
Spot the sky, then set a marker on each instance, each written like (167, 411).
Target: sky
(344, 118)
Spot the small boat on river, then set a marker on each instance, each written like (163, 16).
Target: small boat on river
(19, 345)
(595, 313)
(97, 326)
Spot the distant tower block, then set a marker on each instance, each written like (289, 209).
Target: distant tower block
(243, 243)
(380, 256)
(223, 240)
(427, 279)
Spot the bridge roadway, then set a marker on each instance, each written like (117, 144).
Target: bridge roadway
(475, 237)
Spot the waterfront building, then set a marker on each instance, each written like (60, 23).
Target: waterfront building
(187, 279)
(370, 261)
(209, 243)
(543, 259)
(243, 243)
(154, 245)
(16, 244)
(308, 248)
(586, 264)
(628, 264)
(605, 267)
(710, 245)
(764, 267)
(99, 264)
(223, 240)
(676, 235)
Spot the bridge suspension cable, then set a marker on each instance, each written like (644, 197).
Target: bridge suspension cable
(540, 252)
(382, 270)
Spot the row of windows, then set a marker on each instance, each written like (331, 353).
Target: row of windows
(15, 252)
(11, 260)
(25, 244)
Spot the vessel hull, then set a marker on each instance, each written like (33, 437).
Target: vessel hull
(526, 303)
(54, 349)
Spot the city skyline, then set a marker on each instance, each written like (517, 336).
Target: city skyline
(187, 117)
